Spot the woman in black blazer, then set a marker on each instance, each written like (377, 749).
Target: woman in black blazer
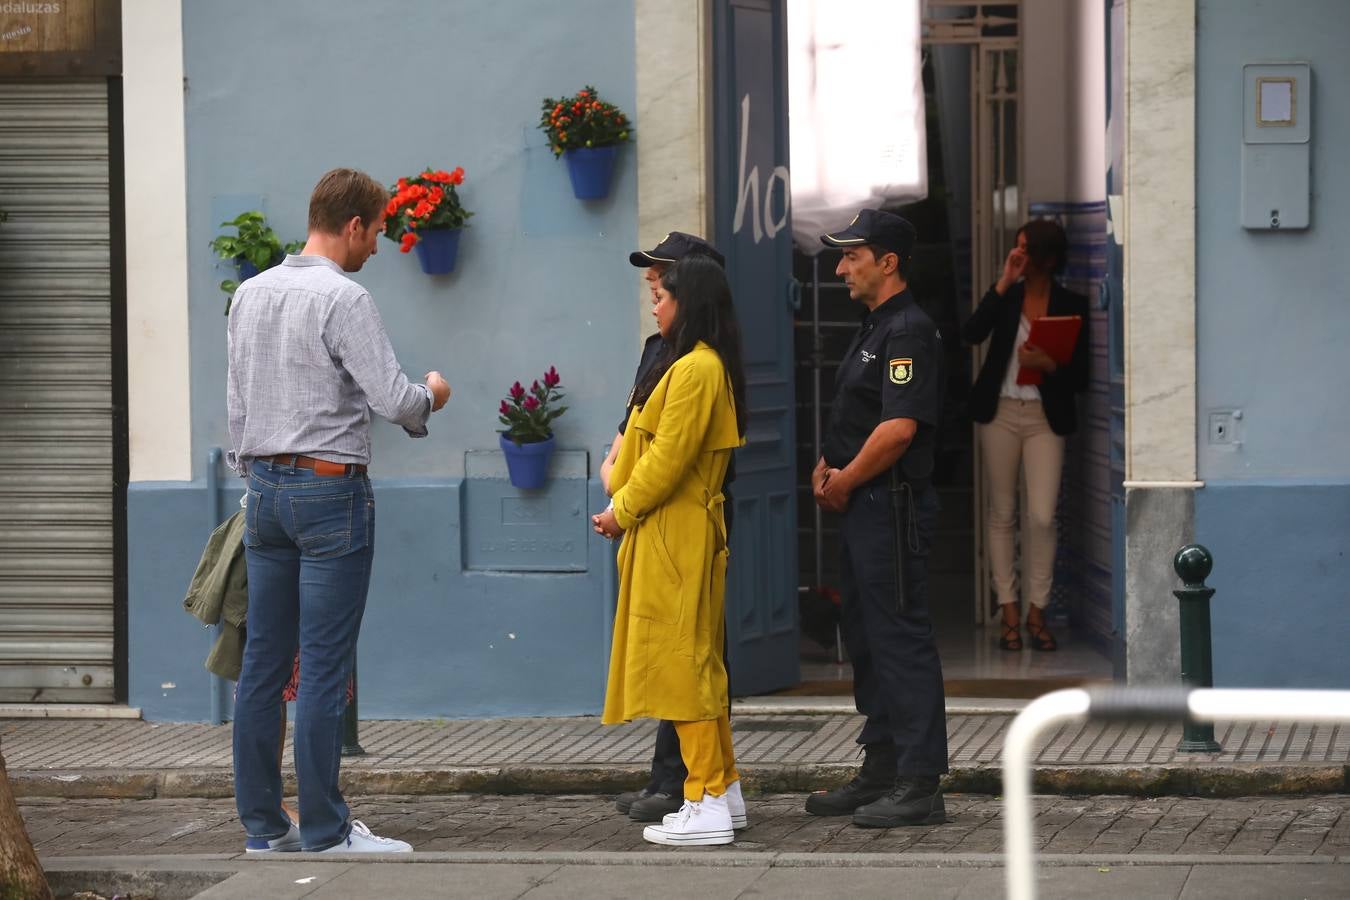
(1022, 427)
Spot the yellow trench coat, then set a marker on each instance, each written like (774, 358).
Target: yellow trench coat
(666, 658)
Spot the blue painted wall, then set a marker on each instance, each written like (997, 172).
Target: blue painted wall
(277, 93)
(436, 640)
(1272, 318)
(1272, 307)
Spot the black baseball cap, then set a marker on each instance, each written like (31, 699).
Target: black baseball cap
(672, 248)
(873, 226)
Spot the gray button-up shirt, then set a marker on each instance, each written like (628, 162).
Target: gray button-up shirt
(309, 359)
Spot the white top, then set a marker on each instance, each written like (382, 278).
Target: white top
(1010, 386)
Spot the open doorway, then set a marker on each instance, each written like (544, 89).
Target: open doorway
(984, 179)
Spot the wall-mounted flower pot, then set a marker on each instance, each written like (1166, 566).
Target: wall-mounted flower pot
(245, 268)
(590, 169)
(527, 464)
(437, 249)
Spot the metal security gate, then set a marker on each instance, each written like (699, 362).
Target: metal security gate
(56, 394)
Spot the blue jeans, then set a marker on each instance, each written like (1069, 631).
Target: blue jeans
(309, 541)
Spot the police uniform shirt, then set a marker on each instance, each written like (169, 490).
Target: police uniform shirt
(893, 369)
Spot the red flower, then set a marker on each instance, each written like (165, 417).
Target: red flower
(551, 378)
(505, 408)
(531, 404)
(406, 242)
(534, 388)
(457, 176)
(583, 94)
(517, 391)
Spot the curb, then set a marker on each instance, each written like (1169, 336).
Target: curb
(1142, 781)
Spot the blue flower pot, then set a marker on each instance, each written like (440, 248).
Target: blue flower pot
(590, 168)
(246, 269)
(437, 249)
(527, 464)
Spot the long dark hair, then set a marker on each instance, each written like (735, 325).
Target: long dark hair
(703, 312)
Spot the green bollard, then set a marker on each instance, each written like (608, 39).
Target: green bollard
(1193, 564)
(351, 739)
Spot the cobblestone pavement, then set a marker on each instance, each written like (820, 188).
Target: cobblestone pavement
(1293, 827)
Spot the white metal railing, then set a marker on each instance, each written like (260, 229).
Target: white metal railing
(1132, 704)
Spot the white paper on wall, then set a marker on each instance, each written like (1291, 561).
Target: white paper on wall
(856, 111)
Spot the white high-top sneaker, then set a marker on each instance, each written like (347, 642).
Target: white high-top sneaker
(735, 806)
(697, 824)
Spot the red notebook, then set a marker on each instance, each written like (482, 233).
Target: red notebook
(1056, 335)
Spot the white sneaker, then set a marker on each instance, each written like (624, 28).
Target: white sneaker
(697, 824)
(287, 843)
(735, 806)
(361, 840)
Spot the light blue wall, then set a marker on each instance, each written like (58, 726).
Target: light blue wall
(436, 640)
(278, 93)
(1273, 317)
(1273, 309)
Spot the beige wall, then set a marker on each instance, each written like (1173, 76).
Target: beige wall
(1160, 242)
(674, 126)
(156, 209)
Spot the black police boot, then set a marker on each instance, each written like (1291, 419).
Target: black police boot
(625, 801)
(915, 801)
(876, 780)
(653, 807)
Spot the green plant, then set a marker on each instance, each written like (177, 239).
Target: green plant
(423, 202)
(254, 242)
(582, 120)
(528, 415)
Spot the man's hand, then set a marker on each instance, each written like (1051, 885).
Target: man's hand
(604, 523)
(1033, 357)
(834, 491)
(440, 390)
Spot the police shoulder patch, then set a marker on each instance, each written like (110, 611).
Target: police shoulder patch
(902, 370)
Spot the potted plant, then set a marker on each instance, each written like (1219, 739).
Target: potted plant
(253, 248)
(527, 439)
(587, 131)
(425, 213)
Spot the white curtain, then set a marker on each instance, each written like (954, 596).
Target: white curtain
(856, 111)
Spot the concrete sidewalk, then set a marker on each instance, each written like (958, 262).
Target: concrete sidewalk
(780, 750)
(713, 876)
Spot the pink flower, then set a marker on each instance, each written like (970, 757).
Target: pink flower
(551, 377)
(517, 391)
(531, 404)
(505, 409)
(534, 388)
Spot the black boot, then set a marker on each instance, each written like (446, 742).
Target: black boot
(915, 801)
(655, 806)
(876, 780)
(625, 801)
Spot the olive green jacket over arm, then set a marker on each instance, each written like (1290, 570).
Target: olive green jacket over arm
(218, 594)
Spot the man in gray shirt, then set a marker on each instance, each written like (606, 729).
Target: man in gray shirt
(309, 360)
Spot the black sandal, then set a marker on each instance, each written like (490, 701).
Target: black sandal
(1041, 638)
(1012, 637)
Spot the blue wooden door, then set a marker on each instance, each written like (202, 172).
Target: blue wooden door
(751, 227)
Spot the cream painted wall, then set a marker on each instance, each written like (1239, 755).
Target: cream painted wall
(156, 209)
(1160, 357)
(674, 126)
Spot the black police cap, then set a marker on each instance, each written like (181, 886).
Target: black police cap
(672, 248)
(873, 226)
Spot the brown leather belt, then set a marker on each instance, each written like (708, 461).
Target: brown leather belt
(320, 466)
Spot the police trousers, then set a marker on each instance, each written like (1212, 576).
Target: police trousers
(897, 676)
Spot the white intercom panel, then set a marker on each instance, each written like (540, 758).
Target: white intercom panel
(1276, 145)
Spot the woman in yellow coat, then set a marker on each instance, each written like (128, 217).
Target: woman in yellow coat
(666, 658)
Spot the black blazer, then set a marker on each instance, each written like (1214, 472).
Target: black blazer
(1001, 315)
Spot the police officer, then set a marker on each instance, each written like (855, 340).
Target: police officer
(876, 469)
(664, 793)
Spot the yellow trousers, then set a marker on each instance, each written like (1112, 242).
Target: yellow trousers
(706, 749)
